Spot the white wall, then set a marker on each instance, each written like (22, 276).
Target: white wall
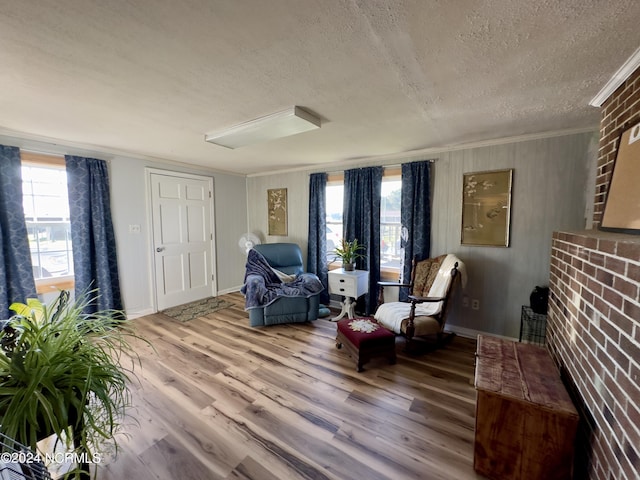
(549, 193)
(297, 185)
(129, 207)
(129, 203)
(549, 185)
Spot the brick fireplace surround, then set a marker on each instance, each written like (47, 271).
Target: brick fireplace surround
(593, 331)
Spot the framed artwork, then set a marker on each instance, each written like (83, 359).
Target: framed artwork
(277, 210)
(623, 198)
(486, 208)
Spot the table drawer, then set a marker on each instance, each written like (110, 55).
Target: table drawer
(343, 285)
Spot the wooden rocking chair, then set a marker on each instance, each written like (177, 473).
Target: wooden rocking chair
(433, 283)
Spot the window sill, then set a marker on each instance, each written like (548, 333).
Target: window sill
(386, 274)
(389, 275)
(54, 285)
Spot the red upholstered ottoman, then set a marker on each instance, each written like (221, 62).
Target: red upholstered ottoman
(364, 339)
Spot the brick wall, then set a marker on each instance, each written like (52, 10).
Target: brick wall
(593, 329)
(593, 333)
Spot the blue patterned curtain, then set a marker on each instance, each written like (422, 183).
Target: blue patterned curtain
(94, 245)
(317, 246)
(415, 215)
(16, 272)
(362, 190)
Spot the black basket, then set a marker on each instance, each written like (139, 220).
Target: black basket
(533, 326)
(18, 462)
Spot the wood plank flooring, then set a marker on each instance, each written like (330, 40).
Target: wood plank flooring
(218, 399)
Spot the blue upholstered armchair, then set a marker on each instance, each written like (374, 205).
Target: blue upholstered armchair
(277, 290)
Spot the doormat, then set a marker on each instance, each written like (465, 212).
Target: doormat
(199, 308)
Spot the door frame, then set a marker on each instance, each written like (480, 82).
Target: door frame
(150, 240)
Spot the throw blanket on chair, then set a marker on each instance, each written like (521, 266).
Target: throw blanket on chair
(262, 285)
(392, 314)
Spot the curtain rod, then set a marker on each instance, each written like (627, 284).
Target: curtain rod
(36, 151)
(396, 165)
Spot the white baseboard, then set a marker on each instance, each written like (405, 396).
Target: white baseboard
(224, 291)
(471, 333)
(139, 313)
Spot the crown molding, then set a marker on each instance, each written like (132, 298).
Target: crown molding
(40, 144)
(624, 72)
(422, 154)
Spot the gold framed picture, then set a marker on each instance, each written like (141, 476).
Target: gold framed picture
(486, 208)
(277, 211)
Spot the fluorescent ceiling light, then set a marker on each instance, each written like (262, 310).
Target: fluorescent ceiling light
(277, 125)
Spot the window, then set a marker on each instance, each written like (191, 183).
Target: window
(46, 210)
(390, 225)
(334, 196)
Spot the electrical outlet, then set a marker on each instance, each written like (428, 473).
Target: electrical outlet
(475, 304)
(134, 228)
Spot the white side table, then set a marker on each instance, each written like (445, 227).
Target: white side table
(351, 285)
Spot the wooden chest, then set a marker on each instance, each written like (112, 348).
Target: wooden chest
(525, 420)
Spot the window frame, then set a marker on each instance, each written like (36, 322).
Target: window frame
(63, 282)
(386, 273)
(395, 173)
(333, 180)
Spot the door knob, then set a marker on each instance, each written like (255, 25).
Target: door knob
(159, 249)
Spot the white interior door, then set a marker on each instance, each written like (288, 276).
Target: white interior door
(182, 238)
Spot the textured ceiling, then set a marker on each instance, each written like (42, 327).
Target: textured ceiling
(151, 78)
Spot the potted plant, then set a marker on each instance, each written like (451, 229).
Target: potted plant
(61, 372)
(349, 252)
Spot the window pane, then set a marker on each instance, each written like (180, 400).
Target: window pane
(46, 208)
(390, 224)
(334, 218)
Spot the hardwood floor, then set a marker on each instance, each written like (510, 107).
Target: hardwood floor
(218, 399)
